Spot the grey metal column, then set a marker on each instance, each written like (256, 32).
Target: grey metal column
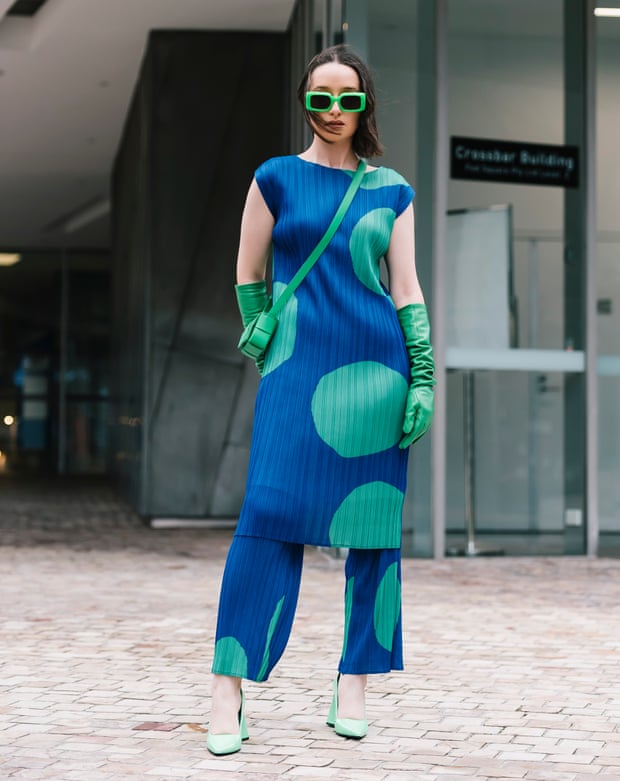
(62, 369)
(431, 208)
(592, 391)
(581, 393)
(145, 175)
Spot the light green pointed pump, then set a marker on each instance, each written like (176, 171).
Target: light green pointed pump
(226, 743)
(347, 728)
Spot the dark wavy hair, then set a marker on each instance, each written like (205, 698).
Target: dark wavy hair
(366, 139)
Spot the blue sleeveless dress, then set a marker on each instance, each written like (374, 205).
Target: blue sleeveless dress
(325, 467)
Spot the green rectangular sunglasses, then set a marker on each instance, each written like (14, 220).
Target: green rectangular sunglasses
(323, 101)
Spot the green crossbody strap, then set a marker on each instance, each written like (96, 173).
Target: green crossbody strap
(320, 247)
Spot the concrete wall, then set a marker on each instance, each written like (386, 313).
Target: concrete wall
(197, 129)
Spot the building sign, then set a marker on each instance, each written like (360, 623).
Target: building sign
(485, 159)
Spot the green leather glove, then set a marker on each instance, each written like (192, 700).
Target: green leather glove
(251, 299)
(413, 320)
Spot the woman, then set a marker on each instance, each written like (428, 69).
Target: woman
(347, 386)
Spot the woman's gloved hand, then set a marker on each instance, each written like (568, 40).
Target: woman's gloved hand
(251, 299)
(413, 319)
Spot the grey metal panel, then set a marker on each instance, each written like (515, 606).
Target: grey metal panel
(196, 140)
(188, 435)
(240, 431)
(233, 467)
(428, 467)
(578, 298)
(128, 321)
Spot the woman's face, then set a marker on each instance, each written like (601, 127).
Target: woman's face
(335, 125)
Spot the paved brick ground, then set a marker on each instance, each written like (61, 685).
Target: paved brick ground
(513, 664)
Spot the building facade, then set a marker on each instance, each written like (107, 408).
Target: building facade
(502, 114)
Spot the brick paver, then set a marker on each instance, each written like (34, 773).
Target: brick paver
(513, 664)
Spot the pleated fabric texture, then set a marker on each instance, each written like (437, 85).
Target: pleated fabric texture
(372, 627)
(325, 467)
(259, 594)
(258, 598)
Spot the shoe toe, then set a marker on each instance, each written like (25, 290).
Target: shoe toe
(351, 728)
(223, 744)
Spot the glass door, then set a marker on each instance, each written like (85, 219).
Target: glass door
(514, 310)
(29, 329)
(54, 362)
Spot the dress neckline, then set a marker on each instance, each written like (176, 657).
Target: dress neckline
(331, 168)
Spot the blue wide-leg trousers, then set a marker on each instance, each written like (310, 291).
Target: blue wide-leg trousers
(258, 598)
